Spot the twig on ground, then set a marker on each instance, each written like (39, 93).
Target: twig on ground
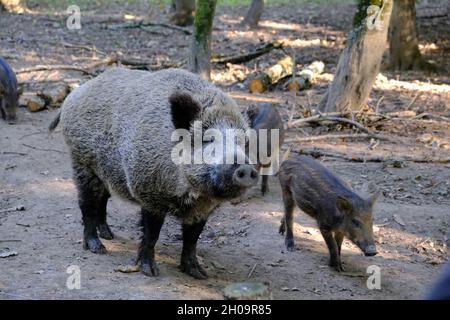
(43, 149)
(54, 67)
(335, 136)
(139, 24)
(357, 158)
(251, 271)
(15, 153)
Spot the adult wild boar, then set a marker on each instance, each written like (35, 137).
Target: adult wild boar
(338, 210)
(118, 128)
(9, 92)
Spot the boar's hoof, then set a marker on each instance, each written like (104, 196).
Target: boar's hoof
(105, 232)
(282, 228)
(192, 267)
(290, 245)
(94, 245)
(150, 269)
(337, 266)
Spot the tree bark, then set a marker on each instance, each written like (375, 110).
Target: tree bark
(360, 61)
(254, 14)
(200, 56)
(182, 12)
(404, 51)
(14, 6)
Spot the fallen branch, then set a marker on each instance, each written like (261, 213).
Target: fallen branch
(52, 68)
(332, 118)
(84, 47)
(247, 56)
(139, 24)
(316, 153)
(430, 115)
(334, 136)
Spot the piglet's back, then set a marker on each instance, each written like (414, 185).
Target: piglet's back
(312, 184)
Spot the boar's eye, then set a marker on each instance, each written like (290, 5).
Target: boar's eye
(356, 223)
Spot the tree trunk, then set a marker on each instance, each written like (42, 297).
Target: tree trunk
(200, 56)
(360, 61)
(14, 6)
(254, 14)
(182, 12)
(404, 51)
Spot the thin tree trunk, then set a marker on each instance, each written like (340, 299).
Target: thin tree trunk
(360, 61)
(404, 51)
(254, 14)
(200, 56)
(182, 12)
(14, 6)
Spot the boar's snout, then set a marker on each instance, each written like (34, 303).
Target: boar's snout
(246, 176)
(370, 251)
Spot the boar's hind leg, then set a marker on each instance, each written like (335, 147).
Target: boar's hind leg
(189, 262)
(151, 226)
(90, 190)
(335, 259)
(103, 229)
(287, 223)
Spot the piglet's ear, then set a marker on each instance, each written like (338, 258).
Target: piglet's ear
(344, 205)
(184, 109)
(251, 112)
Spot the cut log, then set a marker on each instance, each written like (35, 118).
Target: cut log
(305, 77)
(14, 6)
(272, 75)
(53, 97)
(35, 103)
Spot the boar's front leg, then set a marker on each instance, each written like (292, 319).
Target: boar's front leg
(339, 237)
(189, 262)
(151, 227)
(335, 258)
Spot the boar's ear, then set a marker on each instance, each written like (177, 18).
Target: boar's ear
(374, 197)
(252, 112)
(184, 109)
(344, 205)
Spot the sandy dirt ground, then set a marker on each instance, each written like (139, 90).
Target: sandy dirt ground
(411, 219)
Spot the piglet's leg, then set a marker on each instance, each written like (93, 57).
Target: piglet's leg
(287, 223)
(189, 262)
(335, 259)
(151, 225)
(339, 237)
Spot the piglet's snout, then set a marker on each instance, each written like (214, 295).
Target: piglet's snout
(371, 250)
(245, 176)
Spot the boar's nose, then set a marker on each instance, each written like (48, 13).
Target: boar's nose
(245, 175)
(370, 251)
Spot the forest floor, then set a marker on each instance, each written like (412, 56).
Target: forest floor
(411, 219)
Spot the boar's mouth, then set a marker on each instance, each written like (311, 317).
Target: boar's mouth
(229, 192)
(368, 250)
